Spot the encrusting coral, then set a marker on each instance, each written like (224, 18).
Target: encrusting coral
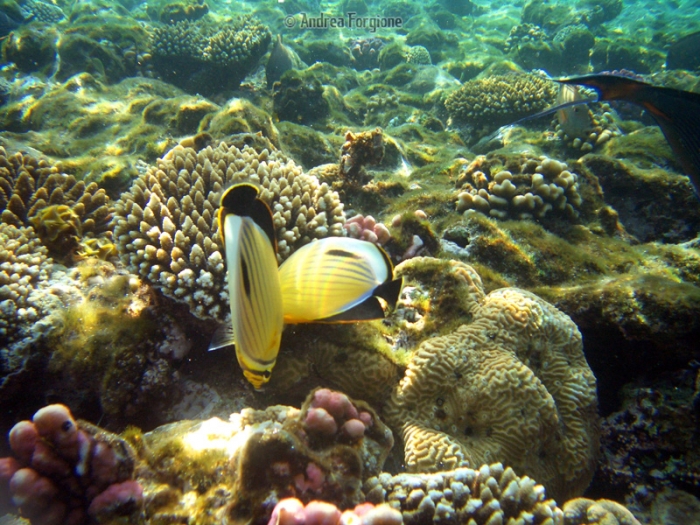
(166, 228)
(61, 209)
(512, 386)
(525, 187)
(487, 103)
(69, 472)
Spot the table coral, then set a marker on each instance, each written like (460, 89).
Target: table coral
(214, 471)
(487, 103)
(513, 386)
(67, 471)
(520, 187)
(166, 226)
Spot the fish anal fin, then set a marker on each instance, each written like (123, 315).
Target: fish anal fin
(222, 338)
(368, 310)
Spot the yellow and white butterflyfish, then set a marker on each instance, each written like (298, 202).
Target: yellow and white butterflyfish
(337, 279)
(248, 235)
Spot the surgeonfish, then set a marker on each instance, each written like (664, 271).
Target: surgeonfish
(248, 235)
(676, 112)
(337, 279)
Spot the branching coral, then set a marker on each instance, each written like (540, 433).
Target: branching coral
(166, 226)
(491, 494)
(487, 103)
(512, 386)
(201, 57)
(61, 209)
(523, 187)
(23, 263)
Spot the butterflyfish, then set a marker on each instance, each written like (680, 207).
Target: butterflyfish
(338, 279)
(248, 235)
(676, 112)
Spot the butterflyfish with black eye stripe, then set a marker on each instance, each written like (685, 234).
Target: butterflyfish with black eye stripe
(248, 234)
(337, 279)
(333, 280)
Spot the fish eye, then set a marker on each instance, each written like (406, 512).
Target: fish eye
(267, 374)
(66, 426)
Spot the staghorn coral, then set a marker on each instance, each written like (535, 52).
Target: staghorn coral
(166, 226)
(492, 494)
(61, 209)
(488, 103)
(524, 187)
(513, 386)
(68, 471)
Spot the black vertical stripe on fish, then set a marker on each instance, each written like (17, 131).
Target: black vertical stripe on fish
(243, 200)
(245, 277)
(676, 112)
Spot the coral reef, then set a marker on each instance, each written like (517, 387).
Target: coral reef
(488, 103)
(241, 469)
(208, 59)
(68, 471)
(524, 188)
(61, 209)
(513, 385)
(165, 225)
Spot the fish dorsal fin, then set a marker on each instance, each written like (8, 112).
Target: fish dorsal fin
(243, 200)
(222, 338)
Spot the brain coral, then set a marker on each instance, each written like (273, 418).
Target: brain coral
(58, 206)
(488, 103)
(166, 227)
(511, 386)
(520, 187)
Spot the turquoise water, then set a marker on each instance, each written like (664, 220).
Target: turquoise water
(431, 129)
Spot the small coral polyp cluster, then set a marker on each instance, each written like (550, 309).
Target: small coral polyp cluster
(166, 226)
(530, 190)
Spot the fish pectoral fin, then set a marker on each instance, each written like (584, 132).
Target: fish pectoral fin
(222, 337)
(383, 299)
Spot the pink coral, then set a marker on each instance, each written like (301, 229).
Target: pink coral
(66, 470)
(291, 511)
(367, 229)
